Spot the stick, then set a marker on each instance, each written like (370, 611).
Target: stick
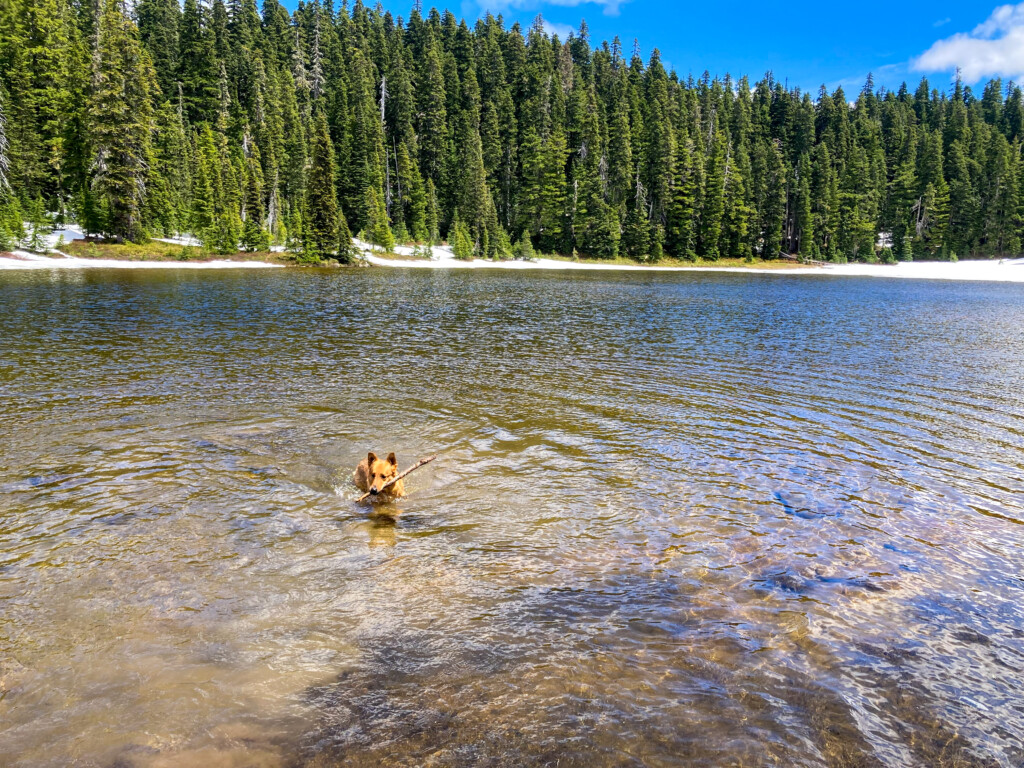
(409, 471)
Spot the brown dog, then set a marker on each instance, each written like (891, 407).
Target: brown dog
(372, 473)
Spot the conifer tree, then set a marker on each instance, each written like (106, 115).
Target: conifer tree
(713, 208)
(202, 214)
(5, 163)
(158, 22)
(321, 214)
(168, 204)
(804, 212)
(347, 251)
(377, 228)
(120, 113)
(432, 218)
(197, 64)
(460, 239)
(10, 215)
(254, 234)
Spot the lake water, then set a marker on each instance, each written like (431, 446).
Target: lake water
(702, 519)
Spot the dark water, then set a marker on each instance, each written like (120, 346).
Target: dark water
(687, 519)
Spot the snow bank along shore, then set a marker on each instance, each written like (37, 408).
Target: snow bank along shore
(29, 260)
(1007, 270)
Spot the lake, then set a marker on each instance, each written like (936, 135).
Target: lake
(705, 519)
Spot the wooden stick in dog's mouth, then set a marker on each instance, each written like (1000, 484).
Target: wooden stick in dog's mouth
(394, 480)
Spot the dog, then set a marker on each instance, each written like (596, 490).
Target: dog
(372, 474)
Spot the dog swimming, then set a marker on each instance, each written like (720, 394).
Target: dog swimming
(373, 474)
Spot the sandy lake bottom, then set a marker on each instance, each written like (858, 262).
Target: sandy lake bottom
(705, 519)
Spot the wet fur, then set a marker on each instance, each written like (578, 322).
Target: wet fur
(372, 473)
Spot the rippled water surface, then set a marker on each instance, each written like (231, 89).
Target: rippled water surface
(731, 520)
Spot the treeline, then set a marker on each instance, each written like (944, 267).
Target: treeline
(248, 127)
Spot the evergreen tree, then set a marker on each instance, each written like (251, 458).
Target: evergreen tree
(432, 217)
(10, 213)
(377, 229)
(680, 234)
(254, 235)
(804, 210)
(120, 113)
(5, 163)
(347, 252)
(713, 209)
(197, 64)
(524, 249)
(321, 214)
(158, 22)
(460, 239)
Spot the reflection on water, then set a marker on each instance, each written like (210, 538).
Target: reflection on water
(707, 519)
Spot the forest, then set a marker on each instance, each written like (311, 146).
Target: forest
(250, 127)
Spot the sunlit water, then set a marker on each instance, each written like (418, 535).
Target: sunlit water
(685, 519)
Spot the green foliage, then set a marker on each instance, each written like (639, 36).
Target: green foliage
(254, 235)
(40, 225)
(347, 251)
(12, 230)
(121, 116)
(377, 230)
(636, 235)
(524, 249)
(244, 127)
(216, 215)
(460, 239)
(321, 218)
(432, 225)
(5, 162)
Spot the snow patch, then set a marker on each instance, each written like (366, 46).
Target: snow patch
(27, 260)
(182, 239)
(992, 271)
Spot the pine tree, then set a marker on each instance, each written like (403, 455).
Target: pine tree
(416, 193)
(254, 234)
(321, 214)
(169, 201)
(158, 29)
(121, 117)
(432, 217)
(377, 229)
(804, 209)
(713, 208)
(5, 163)
(680, 235)
(460, 239)
(10, 214)
(347, 251)
(202, 213)
(197, 64)
(738, 213)
(45, 76)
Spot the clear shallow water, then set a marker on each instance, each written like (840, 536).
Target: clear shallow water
(677, 519)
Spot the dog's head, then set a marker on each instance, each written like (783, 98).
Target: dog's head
(380, 471)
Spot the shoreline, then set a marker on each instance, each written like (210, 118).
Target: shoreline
(1005, 270)
(24, 260)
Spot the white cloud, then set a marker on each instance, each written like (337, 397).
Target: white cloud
(562, 30)
(609, 7)
(993, 48)
(942, 22)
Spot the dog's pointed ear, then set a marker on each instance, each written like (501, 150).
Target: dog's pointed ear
(370, 458)
(392, 460)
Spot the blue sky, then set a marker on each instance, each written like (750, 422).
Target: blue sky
(806, 43)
